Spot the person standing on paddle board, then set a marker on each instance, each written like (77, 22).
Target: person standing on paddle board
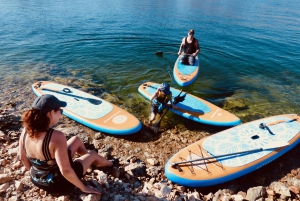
(159, 100)
(191, 48)
(48, 155)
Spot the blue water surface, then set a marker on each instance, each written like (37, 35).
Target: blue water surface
(249, 61)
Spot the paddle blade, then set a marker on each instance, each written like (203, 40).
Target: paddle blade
(158, 53)
(94, 101)
(179, 99)
(275, 145)
(155, 127)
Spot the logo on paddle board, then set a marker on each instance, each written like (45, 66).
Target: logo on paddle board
(119, 119)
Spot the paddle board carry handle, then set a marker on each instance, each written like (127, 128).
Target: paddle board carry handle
(67, 90)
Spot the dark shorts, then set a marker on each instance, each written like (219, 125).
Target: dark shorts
(154, 109)
(63, 184)
(187, 59)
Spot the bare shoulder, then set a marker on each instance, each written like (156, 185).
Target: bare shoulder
(58, 136)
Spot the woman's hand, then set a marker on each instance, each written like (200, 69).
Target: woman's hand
(89, 189)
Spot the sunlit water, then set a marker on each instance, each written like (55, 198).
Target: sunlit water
(249, 49)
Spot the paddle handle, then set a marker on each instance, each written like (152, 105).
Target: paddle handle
(280, 121)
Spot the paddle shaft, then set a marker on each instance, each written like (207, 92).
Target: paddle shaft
(160, 53)
(219, 156)
(93, 101)
(280, 121)
(272, 145)
(59, 92)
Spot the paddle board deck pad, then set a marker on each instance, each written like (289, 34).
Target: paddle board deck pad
(243, 138)
(194, 108)
(90, 110)
(185, 75)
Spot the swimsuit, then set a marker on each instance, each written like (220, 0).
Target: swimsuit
(45, 173)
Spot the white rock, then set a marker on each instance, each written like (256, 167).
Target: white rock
(18, 185)
(63, 198)
(101, 176)
(237, 197)
(13, 151)
(90, 197)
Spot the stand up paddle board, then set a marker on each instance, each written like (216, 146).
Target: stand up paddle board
(234, 152)
(90, 110)
(185, 75)
(194, 108)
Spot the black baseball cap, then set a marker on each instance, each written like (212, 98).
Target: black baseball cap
(47, 102)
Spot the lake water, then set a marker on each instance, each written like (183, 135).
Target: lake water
(249, 49)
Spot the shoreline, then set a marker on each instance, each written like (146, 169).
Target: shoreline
(139, 174)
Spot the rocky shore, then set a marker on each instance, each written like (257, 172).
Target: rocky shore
(139, 173)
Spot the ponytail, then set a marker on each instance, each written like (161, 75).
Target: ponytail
(35, 122)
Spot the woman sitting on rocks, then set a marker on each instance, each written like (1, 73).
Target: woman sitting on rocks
(47, 153)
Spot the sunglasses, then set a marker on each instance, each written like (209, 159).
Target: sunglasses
(61, 110)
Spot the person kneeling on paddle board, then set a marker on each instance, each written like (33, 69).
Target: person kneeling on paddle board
(159, 100)
(191, 48)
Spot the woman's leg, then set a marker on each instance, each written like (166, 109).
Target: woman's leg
(92, 157)
(75, 145)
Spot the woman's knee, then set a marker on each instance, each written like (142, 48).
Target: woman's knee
(74, 143)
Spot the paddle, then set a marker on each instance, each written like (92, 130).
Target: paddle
(161, 53)
(277, 122)
(66, 92)
(272, 145)
(177, 99)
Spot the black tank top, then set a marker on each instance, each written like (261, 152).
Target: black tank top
(189, 48)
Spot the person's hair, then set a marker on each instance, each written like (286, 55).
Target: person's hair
(35, 122)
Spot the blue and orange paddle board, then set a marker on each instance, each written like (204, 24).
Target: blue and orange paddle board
(194, 108)
(90, 110)
(234, 152)
(185, 75)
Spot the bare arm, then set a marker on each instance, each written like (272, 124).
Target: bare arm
(181, 46)
(62, 159)
(22, 154)
(154, 95)
(197, 48)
